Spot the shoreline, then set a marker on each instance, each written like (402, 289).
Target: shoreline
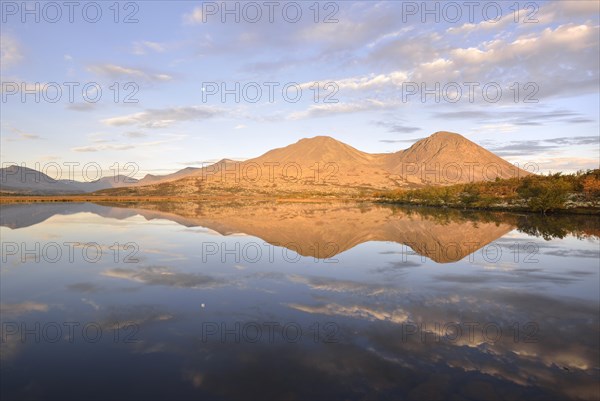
(29, 199)
(513, 209)
(175, 199)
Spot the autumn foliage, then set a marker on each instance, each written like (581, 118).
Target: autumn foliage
(539, 193)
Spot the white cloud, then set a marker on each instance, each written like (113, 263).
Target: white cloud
(135, 134)
(547, 58)
(195, 17)
(390, 35)
(360, 24)
(367, 82)
(142, 47)
(484, 25)
(116, 71)
(10, 52)
(20, 135)
(161, 118)
(568, 10)
(566, 164)
(83, 106)
(327, 109)
(101, 147)
(123, 146)
(496, 128)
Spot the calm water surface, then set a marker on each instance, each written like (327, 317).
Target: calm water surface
(188, 301)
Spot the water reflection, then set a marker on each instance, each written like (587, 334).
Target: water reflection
(323, 230)
(386, 315)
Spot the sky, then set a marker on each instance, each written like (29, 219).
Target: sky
(164, 85)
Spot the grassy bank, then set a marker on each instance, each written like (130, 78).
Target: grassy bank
(556, 193)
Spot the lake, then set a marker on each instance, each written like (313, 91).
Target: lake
(296, 301)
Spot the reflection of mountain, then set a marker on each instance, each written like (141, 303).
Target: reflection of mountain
(325, 230)
(316, 230)
(25, 215)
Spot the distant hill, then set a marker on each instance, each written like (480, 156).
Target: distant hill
(29, 181)
(312, 165)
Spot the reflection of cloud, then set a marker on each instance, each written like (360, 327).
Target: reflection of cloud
(355, 311)
(143, 347)
(525, 276)
(91, 303)
(10, 346)
(395, 267)
(574, 253)
(162, 275)
(84, 287)
(127, 315)
(334, 285)
(568, 348)
(561, 356)
(462, 369)
(194, 377)
(22, 308)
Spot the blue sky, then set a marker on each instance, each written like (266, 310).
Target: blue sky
(371, 54)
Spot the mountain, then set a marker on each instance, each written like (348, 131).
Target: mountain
(23, 179)
(320, 161)
(323, 165)
(319, 149)
(26, 180)
(449, 158)
(186, 172)
(154, 179)
(318, 165)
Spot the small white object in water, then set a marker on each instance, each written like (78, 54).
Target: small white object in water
(202, 305)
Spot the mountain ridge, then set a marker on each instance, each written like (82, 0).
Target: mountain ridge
(23, 179)
(322, 163)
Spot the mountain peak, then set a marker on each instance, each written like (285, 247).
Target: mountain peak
(446, 135)
(226, 161)
(444, 139)
(318, 149)
(319, 139)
